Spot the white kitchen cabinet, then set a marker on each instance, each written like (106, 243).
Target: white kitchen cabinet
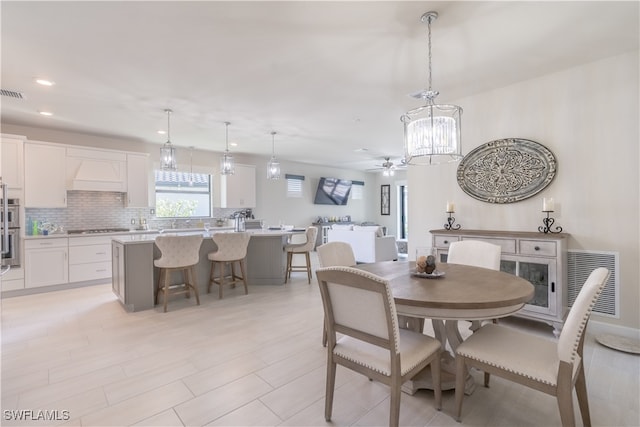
(44, 175)
(239, 190)
(11, 161)
(46, 261)
(89, 258)
(138, 181)
(537, 257)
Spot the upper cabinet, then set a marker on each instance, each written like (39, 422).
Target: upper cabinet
(44, 175)
(11, 160)
(138, 181)
(239, 190)
(96, 170)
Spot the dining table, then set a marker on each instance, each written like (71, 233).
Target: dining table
(453, 292)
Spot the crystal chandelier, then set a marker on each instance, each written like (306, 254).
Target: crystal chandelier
(273, 167)
(168, 160)
(227, 166)
(431, 132)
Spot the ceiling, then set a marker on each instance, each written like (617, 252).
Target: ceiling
(331, 78)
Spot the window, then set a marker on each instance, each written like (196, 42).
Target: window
(357, 190)
(182, 194)
(294, 185)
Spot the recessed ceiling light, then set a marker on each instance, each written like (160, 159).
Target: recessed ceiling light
(162, 132)
(233, 144)
(45, 82)
(46, 113)
(361, 150)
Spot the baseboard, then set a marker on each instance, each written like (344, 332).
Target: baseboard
(596, 327)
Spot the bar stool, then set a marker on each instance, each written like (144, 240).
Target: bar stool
(301, 248)
(232, 249)
(178, 253)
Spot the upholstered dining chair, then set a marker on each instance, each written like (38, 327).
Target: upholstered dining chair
(301, 248)
(549, 366)
(177, 253)
(475, 253)
(333, 254)
(232, 250)
(359, 306)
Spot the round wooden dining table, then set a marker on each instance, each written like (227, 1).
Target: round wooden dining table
(457, 292)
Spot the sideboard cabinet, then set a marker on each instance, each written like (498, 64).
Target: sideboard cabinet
(539, 258)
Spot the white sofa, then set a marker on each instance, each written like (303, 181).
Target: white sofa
(368, 242)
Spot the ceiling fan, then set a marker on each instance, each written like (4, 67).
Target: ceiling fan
(388, 168)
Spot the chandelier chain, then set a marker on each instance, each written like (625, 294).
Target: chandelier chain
(429, 44)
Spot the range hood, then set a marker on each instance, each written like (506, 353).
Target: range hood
(96, 174)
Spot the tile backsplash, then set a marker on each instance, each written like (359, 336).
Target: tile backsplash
(102, 209)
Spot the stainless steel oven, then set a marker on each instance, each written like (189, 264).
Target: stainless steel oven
(10, 228)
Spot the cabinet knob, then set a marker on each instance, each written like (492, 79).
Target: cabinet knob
(537, 248)
(446, 242)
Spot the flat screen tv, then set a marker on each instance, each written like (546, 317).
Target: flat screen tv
(332, 191)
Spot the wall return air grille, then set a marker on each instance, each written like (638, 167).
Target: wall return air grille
(580, 264)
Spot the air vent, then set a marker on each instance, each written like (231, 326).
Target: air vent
(12, 94)
(580, 265)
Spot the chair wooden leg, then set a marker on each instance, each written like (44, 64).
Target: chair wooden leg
(394, 410)
(564, 395)
(222, 266)
(167, 280)
(583, 400)
(460, 380)
(324, 333)
(211, 276)
(234, 276)
(487, 377)
(186, 281)
(287, 274)
(244, 276)
(436, 379)
(159, 287)
(306, 255)
(331, 382)
(193, 284)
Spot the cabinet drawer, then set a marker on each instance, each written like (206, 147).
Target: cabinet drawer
(45, 243)
(91, 240)
(537, 248)
(444, 241)
(508, 245)
(89, 253)
(90, 271)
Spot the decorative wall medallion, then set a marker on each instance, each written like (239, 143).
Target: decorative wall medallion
(506, 170)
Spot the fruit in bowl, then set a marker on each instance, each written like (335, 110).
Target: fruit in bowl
(426, 264)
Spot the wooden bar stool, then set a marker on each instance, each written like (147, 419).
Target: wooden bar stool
(232, 249)
(178, 253)
(301, 248)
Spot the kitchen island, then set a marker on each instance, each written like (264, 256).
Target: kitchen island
(135, 277)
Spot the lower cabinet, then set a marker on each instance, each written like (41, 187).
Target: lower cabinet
(89, 258)
(132, 274)
(46, 262)
(539, 258)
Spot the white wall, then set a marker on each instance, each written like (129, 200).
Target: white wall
(588, 117)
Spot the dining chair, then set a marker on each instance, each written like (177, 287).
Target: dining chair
(232, 250)
(301, 248)
(333, 254)
(359, 306)
(475, 253)
(177, 253)
(552, 367)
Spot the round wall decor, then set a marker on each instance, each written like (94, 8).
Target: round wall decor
(506, 170)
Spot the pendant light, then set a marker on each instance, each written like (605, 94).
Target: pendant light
(227, 166)
(273, 167)
(432, 132)
(168, 160)
(191, 178)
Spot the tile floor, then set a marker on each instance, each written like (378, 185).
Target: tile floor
(253, 360)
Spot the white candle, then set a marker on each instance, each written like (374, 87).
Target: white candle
(547, 204)
(450, 207)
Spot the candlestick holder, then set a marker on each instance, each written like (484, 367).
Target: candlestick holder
(548, 223)
(449, 225)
